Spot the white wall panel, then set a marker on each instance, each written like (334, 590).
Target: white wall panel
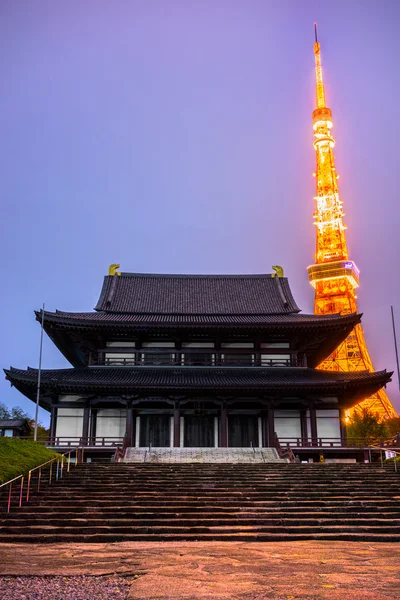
(69, 423)
(289, 426)
(328, 427)
(111, 422)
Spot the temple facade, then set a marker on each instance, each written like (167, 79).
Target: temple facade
(196, 361)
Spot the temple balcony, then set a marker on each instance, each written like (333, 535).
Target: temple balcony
(188, 357)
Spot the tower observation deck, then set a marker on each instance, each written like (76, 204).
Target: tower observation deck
(334, 276)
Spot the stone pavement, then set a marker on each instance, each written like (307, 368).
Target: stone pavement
(202, 455)
(310, 570)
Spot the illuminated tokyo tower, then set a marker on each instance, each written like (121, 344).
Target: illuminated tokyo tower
(334, 276)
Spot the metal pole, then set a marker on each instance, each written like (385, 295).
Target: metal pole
(39, 374)
(395, 347)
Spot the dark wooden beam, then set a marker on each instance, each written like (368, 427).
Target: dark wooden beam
(224, 426)
(93, 425)
(53, 422)
(130, 425)
(85, 426)
(303, 426)
(313, 424)
(177, 424)
(271, 425)
(264, 427)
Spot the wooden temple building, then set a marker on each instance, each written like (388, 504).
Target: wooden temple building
(197, 361)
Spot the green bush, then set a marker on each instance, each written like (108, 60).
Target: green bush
(390, 460)
(17, 457)
(366, 428)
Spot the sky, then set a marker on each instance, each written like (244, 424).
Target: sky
(175, 136)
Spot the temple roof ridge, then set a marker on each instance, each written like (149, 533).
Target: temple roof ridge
(200, 275)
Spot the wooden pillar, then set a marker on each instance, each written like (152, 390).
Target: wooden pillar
(343, 430)
(264, 424)
(224, 426)
(303, 427)
(177, 424)
(271, 427)
(130, 428)
(313, 423)
(92, 427)
(53, 424)
(85, 426)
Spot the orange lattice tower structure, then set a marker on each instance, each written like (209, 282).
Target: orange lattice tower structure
(334, 276)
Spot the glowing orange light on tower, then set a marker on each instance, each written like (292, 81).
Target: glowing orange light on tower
(333, 276)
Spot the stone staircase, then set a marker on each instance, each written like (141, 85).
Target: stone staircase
(170, 502)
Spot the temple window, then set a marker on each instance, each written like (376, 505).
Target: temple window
(273, 356)
(117, 355)
(197, 353)
(237, 353)
(158, 353)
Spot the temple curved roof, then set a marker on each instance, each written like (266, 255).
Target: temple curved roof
(211, 380)
(106, 319)
(138, 304)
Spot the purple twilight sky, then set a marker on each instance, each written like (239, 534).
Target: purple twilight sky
(175, 136)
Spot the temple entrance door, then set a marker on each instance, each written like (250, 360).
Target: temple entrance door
(199, 431)
(242, 431)
(155, 431)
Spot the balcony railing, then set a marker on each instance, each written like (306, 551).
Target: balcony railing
(194, 357)
(326, 442)
(78, 442)
(285, 442)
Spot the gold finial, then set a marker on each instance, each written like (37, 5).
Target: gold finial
(112, 269)
(278, 271)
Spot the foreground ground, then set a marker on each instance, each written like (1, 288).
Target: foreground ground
(198, 570)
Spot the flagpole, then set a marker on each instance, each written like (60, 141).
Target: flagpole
(395, 347)
(39, 374)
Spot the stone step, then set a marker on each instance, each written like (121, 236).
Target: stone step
(220, 498)
(129, 491)
(211, 521)
(220, 486)
(391, 510)
(200, 528)
(218, 502)
(252, 536)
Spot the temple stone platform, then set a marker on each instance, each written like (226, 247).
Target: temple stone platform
(202, 455)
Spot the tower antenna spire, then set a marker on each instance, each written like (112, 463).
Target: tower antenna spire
(318, 71)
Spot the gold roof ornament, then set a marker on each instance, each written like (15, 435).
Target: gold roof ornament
(278, 271)
(112, 269)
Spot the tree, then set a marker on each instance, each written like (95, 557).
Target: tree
(18, 413)
(365, 428)
(393, 425)
(42, 432)
(4, 412)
